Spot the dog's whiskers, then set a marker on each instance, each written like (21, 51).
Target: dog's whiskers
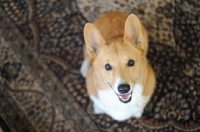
(111, 86)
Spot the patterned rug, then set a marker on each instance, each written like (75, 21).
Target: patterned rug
(41, 88)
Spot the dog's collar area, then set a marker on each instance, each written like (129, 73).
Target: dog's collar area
(125, 98)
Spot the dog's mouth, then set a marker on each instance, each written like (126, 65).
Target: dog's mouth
(125, 98)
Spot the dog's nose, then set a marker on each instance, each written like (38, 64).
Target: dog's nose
(123, 88)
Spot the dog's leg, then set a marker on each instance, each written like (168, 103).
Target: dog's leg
(96, 105)
(85, 67)
(138, 113)
(97, 110)
(139, 110)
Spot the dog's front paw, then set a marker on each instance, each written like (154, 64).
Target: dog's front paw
(84, 67)
(97, 110)
(138, 113)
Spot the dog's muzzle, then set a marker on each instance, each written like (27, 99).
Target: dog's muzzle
(125, 95)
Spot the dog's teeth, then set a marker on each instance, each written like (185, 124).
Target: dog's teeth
(125, 99)
(120, 97)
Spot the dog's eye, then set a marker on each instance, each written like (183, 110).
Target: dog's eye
(108, 67)
(131, 63)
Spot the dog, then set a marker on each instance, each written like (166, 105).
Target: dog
(119, 79)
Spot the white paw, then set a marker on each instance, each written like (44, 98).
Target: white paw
(138, 113)
(84, 67)
(97, 110)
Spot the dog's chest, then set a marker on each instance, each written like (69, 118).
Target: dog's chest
(110, 104)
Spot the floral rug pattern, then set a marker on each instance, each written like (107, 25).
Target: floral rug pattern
(41, 44)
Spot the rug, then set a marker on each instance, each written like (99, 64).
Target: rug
(41, 43)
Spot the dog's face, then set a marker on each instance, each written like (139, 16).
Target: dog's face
(116, 63)
(119, 65)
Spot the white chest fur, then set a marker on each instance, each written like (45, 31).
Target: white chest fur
(109, 103)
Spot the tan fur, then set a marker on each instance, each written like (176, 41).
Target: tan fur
(117, 38)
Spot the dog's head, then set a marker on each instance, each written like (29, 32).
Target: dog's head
(117, 64)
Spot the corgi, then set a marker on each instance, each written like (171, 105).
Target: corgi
(119, 79)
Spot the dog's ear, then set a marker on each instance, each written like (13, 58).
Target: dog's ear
(93, 39)
(133, 30)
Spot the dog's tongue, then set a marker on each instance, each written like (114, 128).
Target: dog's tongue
(125, 96)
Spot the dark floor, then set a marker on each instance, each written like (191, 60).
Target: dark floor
(3, 126)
